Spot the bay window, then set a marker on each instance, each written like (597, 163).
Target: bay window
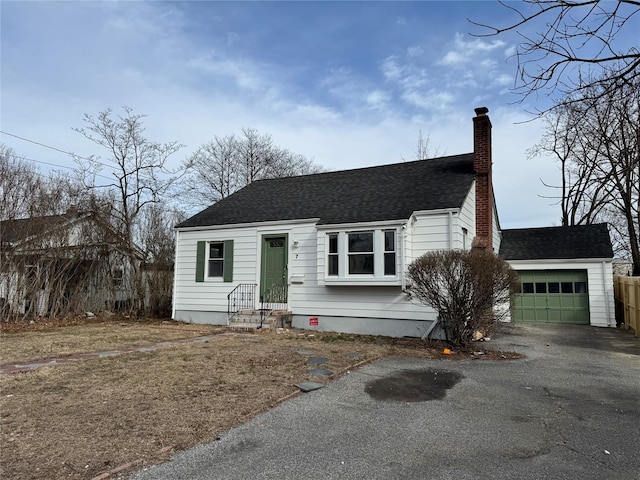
(362, 256)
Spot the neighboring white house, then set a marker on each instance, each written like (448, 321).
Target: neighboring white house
(60, 263)
(333, 248)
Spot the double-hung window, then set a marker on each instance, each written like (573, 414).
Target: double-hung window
(332, 256)
(389, 252)
(362, 256)
(214, 261)
(360, 253)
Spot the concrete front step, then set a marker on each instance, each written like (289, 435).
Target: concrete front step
(252, 319)
(245, 326)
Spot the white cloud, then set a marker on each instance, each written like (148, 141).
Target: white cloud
(378, 99)
(415, 51)
(465, 52)
(431, 100)
(245, 74)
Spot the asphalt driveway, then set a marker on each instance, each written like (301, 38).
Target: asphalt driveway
(569, 410)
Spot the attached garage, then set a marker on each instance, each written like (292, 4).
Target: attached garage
(565, 274)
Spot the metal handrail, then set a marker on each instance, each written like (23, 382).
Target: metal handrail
(242, 297)
(274, 298)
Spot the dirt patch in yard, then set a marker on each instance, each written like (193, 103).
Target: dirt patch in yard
(22, 341)
(81, 420)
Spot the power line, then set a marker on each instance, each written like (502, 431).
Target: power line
(55, 148)
(61, 166)
(46, 146)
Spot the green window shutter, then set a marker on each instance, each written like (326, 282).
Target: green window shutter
(228, 261)
(200, 261)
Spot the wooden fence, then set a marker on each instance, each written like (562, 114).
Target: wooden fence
(627, 295)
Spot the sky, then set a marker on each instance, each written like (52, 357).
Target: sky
(347, 84)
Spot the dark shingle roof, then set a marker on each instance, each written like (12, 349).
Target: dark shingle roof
(387, 192)
(12, 231)
(579, 241)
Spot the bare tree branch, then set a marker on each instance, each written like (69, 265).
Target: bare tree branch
(575, 40)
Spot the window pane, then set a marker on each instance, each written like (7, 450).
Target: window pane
(390, 241)
(541, 288)
(216, 250)
(361, 242)
(554, 287)
(361, 264)
(527, 287)
(333, 243)
(567, 287)
(215, 268)
(581, 287)
(389, 263)
(333, 264)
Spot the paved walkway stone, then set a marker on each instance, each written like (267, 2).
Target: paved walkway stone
(317, 360)
(309, 386)
(304, 352)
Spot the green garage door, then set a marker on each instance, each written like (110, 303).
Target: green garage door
(552, 296)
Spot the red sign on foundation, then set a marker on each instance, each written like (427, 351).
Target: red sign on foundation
(313, 322)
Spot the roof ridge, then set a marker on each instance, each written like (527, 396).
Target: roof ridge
(370, 167)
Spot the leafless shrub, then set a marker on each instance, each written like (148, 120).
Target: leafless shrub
(464, 287)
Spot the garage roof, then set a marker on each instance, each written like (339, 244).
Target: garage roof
(577, 241)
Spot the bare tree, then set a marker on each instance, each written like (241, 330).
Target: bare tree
(575, 41)
(19, 181)
(226, 164)
(423, 148)
(157, 241)
(463, 287)
(139, 170)
(597, 143)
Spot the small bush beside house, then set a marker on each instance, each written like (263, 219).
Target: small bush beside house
(463, 287)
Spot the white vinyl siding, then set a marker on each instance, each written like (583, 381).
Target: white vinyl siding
(311, 292)
(467, 221)
(497, 234)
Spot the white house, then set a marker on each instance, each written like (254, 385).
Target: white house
(333, 248)
(61, 263)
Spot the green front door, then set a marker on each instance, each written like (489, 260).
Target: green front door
(273, 277)
(552, 296)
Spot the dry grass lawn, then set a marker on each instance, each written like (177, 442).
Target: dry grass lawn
(83, 419)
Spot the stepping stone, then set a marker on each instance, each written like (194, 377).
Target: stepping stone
(108, 354)
(354, 355)
(304, 352)
(148, 349)
(317, 360)
(321, 371)
(308, 386)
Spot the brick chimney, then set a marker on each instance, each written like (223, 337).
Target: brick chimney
(484, 185)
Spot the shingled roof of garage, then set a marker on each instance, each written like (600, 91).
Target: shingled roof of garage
(578, 241)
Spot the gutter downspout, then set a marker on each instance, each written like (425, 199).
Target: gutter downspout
(606, 293)
(175, 278)
(450, 233)
(403, 260)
